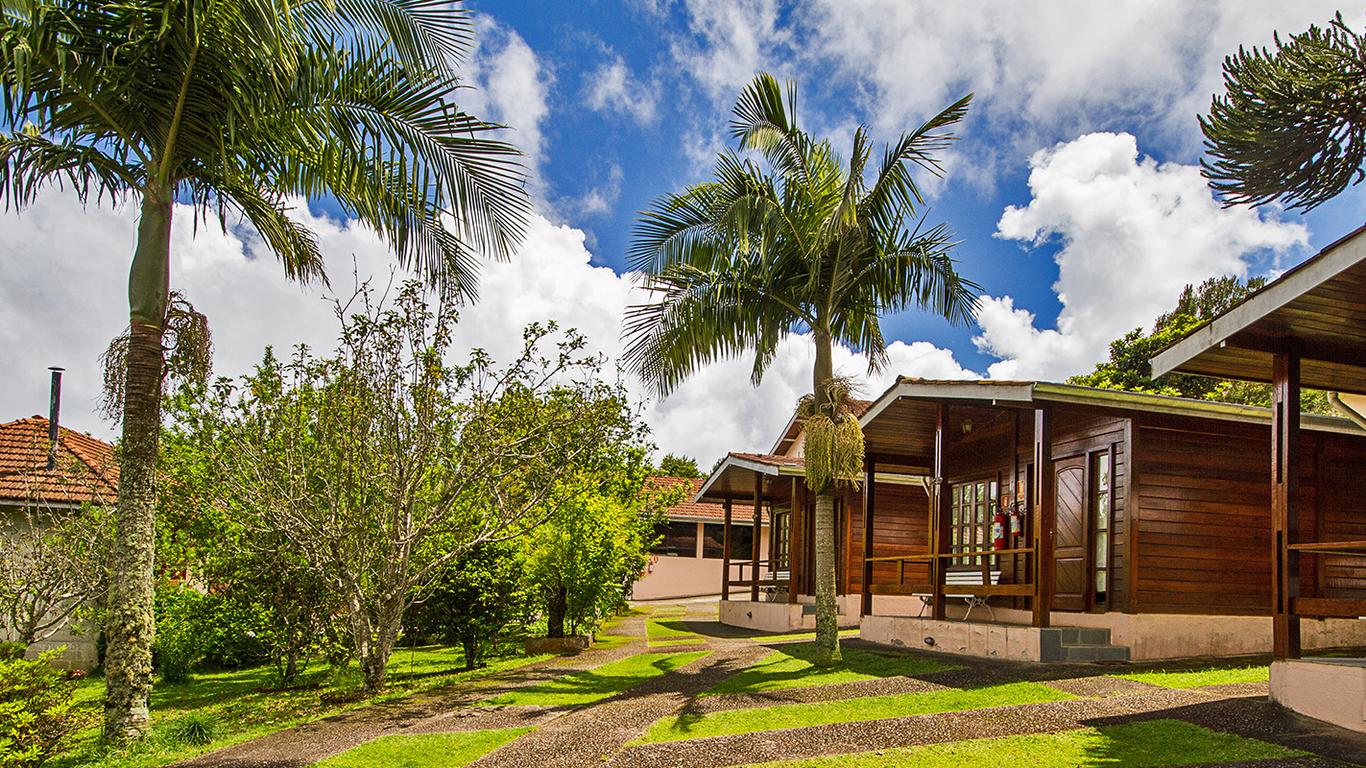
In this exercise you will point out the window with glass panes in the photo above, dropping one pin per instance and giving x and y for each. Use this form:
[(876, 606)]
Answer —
[(974, 504), (1100, 471)]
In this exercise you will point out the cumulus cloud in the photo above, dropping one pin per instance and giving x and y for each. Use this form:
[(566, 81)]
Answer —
[(730, 41), (1133, 233), (510, 85), (612, 88), (72, 301)]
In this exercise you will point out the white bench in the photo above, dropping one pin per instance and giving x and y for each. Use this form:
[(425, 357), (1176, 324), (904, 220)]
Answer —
[(770, 589), (971, 578)]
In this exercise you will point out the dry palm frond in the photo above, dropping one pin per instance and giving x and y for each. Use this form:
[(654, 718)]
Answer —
[(188, 353)]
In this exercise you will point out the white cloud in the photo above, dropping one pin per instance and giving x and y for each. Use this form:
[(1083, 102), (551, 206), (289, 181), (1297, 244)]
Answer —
[(730, 41), (599, 198), (71, 302), (511, 86), (1133, 233), (612, 88)]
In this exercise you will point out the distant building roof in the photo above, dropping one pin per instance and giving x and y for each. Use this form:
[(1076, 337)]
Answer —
[(705, 511), (86, 470)]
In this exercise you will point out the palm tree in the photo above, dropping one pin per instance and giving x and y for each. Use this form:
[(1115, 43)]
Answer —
[(239, 109), (803, 244)]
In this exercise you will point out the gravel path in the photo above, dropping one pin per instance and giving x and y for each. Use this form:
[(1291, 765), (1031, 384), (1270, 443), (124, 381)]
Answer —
[(596, 735)]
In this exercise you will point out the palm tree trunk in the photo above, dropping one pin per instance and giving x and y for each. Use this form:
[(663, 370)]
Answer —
[(827, 611), (129, 627)]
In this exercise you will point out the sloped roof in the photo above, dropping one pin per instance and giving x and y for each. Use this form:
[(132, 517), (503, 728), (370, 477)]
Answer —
[(691, 509), (794, 428), (734, 477), (86, 469)]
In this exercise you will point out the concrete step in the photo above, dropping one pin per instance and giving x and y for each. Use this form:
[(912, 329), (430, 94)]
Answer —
[(1094, 652), (1084, 635)]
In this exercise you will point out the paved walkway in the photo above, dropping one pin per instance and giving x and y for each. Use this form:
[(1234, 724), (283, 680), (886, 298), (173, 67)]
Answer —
[(597, 735)]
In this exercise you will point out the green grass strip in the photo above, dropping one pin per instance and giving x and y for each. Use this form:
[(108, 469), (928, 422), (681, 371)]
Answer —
[(428, 750), (1134, 745), (734, 721), (1200, 677), (794, 666), (788, 637), (598, 683), (670, 632)]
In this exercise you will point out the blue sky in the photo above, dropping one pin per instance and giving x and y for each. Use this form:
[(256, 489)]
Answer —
[(1074, 189)]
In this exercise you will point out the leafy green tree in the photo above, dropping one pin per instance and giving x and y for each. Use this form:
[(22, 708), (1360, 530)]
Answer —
[(584, 559), (1128, 367), (238, 109), (1289, 125), (384, 462), (806, 244), (678, 465), (475, 600)]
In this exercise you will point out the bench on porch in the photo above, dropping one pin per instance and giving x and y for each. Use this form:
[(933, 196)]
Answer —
[(971, 578)]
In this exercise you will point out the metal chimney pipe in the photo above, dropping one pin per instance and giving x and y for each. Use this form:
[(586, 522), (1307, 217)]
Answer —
[(54, 413)]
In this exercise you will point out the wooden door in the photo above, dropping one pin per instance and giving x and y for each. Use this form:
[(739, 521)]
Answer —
[(1069, 535)]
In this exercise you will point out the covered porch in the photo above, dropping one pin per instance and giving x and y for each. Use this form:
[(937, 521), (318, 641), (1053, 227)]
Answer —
[(1306, 329)]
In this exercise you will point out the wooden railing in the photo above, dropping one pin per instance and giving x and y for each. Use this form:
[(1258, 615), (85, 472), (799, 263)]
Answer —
[(1313, 606), (929, 557), (742, 581)]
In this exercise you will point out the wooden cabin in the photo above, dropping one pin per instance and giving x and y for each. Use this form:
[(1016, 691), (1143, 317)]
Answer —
[(1064, 522), (1307, 328)]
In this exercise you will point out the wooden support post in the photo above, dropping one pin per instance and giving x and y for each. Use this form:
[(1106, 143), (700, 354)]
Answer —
[(1285, 568), (725, 552), (940, 511), (795, 546), (866, 606), (754, 544), (1044, 499)]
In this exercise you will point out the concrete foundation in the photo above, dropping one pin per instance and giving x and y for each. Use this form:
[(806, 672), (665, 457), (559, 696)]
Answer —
[(783, 616), (1153, 636), (1332, 690)]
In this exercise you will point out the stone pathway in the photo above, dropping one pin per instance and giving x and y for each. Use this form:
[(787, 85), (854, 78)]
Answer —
[(597, 734)]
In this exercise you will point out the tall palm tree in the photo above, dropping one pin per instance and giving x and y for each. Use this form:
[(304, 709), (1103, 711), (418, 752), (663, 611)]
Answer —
[(239, 109), (803, 243)]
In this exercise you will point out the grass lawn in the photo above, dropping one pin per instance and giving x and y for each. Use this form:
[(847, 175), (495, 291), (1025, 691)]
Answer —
[(1136, 745), (1200, 677), (598, 683), (430, 750), (664, 632), (244, 706), (734, 721), (793, 666)]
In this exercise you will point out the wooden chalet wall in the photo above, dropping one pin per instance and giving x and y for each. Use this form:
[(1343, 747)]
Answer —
[(1087, 432), (1204, 501), (901, 526)]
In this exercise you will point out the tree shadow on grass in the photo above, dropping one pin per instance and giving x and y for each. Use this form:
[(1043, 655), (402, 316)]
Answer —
[(794, 665)]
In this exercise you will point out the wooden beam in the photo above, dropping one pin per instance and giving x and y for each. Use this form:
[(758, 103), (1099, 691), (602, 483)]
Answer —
[(939, 514), (1328, 607), (725, 552), (796, 522), (1044, 498), (869, 499), (1285, 562), (754, 539)]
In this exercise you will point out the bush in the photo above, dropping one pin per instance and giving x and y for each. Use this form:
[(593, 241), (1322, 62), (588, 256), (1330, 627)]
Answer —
[(196, 729), (36, 719), (196, 628), (12, 650)]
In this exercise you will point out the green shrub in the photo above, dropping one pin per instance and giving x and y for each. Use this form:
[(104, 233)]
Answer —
[(195, 628), (36, 718), (196, 729), (12, 650)]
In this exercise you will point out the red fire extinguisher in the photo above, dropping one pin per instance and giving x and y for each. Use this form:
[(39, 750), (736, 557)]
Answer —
[(998, 530)]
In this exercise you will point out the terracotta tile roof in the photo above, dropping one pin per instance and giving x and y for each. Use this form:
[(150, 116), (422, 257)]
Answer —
[(699, 510), (86, 468)]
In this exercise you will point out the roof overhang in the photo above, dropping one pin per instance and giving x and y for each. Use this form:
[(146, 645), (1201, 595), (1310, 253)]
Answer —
[(1319, 306), (1025, 394), (734, 477)]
